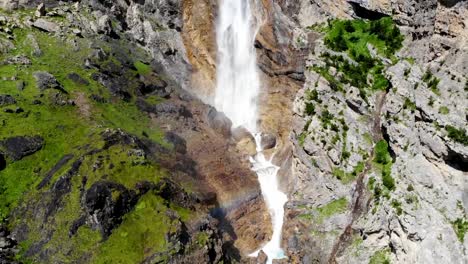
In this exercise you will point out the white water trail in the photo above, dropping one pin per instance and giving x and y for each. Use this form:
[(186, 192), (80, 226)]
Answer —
[(237, 91)]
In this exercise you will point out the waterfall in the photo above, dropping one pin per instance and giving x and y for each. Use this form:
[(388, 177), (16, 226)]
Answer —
[(237, 91), (237, 81)]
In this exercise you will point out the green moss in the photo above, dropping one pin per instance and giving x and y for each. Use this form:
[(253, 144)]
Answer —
[(345, 177), (141, 233), (142, 68), (461, 227), (380, 257), (444, 110), (202, 238), (302, 137), (332, 208)]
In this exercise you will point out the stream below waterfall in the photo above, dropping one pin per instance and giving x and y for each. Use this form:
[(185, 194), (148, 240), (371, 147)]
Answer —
[(237, 91)]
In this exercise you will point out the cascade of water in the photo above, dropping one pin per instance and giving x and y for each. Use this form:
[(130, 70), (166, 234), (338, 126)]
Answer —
[(237, 82), (237, 90)]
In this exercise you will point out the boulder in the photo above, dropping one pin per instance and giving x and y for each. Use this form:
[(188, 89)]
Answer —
[(76, 78), (105, 203), (18, 147), (268, 141), (18, 60), (40, 11), (6, 99), (45, 80), (45, 25)]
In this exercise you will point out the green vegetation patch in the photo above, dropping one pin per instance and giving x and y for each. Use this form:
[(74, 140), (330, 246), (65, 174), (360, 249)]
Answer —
[(458, 135), (444, 110), (346, 177), (142, 68), (383, 161), (141, 233), (461, 227), (319, 214), (63, 127), (332, 208), (432, 82), (380, 257), (353, 37)]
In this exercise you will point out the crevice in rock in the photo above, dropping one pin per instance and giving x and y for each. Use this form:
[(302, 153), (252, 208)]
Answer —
[(2, 162), (450, 3), (363, 12), (456, 160), (386, 137)]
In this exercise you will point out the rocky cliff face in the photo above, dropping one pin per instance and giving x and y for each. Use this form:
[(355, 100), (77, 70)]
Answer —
[(345, 206)]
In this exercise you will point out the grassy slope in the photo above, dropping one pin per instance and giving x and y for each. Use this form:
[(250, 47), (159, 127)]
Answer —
[(65, 130)]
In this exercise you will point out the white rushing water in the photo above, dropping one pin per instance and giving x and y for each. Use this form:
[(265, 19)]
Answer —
[(237, 81), (237, 91)]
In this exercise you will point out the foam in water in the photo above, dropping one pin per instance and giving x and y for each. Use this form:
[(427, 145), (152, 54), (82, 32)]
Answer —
[(237, 90)]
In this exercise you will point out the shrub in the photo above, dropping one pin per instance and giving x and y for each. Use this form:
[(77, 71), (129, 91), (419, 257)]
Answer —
[(382, 156), (461, 227), (310, 109), (458, 135), (444, 110), (397, 206), (387, 178)]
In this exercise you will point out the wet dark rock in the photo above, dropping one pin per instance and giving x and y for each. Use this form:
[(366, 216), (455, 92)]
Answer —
[(157, 87), (178, 142), (18, 147), (219, 122), (76, 78), (159, 109), (104, 210), (64, 160), (6, 99), (45, 80), (262, 257), (116, 85), (268, 141), (185, 112), (170, 191), (113, 137)]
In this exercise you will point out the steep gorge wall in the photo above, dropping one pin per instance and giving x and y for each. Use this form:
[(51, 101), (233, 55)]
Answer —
[(329, 220)]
